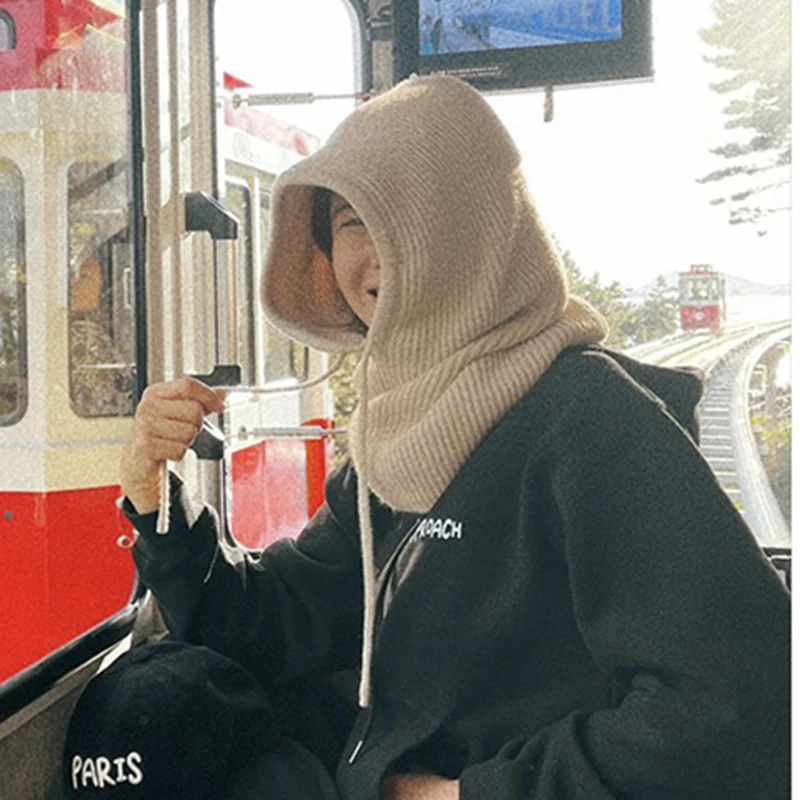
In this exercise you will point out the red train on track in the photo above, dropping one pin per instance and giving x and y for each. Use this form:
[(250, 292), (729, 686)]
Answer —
[(702, 298)]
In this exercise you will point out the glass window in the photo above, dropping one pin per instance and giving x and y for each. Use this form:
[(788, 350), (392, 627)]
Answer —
[(100, 309), (8, 31), (13, 371), (64, 270)]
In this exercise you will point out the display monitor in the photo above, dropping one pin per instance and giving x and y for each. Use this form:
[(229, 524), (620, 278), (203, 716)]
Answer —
[(518, 44)]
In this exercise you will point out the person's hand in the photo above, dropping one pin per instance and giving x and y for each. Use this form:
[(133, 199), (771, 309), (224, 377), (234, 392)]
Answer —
[(167, 420), (418, 787)]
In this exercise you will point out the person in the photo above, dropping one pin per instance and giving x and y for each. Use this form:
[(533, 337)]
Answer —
[(542, 586)]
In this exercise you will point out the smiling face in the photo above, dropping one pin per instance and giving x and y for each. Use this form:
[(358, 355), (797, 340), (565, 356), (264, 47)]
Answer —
[(355, 259)]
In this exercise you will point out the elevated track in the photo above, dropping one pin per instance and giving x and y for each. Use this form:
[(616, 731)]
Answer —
[(726, 436)]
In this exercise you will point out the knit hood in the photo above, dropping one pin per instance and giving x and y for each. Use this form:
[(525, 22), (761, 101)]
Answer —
[(473, 302)]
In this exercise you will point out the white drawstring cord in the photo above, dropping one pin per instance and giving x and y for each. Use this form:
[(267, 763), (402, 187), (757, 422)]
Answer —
[(162, 520), (366, 538)]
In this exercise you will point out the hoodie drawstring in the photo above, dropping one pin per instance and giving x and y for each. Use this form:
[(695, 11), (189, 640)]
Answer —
[(365, 536)]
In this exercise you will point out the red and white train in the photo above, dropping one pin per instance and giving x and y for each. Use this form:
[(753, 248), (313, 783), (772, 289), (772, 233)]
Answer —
[(68, 307), (702, 298)]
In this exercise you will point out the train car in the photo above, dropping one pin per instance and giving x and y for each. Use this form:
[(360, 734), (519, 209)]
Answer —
[(702, 298), (67, 329)]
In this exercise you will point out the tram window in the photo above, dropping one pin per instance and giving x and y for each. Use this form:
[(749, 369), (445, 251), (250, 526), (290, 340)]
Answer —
[(238, 200), (698, 290), (8, 31), (100, 312), (298, 360), (13, 370), (284, 358)]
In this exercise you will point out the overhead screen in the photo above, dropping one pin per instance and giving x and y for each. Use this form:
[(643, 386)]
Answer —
[(517, 44)]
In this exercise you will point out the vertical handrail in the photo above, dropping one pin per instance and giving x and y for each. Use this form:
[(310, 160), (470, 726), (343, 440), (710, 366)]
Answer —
[(137, 222), (152, 168), (203, 171), (175, 205)]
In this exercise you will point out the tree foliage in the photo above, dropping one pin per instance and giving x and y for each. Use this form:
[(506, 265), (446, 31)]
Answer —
[(774, 434), (752, 43), (656, 317), (629, 323), (345, 399)]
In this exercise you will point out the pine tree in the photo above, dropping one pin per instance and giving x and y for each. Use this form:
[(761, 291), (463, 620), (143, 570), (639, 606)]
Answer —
[(752, 40), (657, 317)]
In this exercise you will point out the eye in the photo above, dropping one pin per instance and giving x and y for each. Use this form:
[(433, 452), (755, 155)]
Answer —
[(352, 222)]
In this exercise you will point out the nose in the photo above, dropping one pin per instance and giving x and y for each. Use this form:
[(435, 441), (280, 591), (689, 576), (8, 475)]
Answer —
[(373, 259)]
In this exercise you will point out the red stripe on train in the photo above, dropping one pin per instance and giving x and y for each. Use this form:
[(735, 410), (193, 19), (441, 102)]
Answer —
[(61, 570)]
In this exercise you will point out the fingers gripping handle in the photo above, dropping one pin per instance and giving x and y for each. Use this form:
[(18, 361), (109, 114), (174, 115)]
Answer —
[(209, 443)]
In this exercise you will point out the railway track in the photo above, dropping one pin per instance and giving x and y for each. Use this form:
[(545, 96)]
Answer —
[(726, 436)]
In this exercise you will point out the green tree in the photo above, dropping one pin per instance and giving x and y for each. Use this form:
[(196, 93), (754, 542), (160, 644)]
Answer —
[(608, 300), (628, 324), (656, 317), (344, 402), (752, 40), (774, 434)]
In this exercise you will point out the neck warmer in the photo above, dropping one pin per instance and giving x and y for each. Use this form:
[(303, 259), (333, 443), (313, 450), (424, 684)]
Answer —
[(473, 303)]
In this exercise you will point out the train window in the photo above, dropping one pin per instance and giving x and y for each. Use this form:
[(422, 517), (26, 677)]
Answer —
[(238, 200), (13, 371), (100, 310), (8, 31)]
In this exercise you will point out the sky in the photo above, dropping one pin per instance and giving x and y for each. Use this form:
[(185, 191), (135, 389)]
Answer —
[(613, 175)]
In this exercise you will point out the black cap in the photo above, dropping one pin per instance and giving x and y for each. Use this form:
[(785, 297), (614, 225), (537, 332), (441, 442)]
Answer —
[(165, 720)]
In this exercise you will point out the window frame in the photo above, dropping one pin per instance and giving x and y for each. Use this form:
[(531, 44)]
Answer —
[(7, 21)]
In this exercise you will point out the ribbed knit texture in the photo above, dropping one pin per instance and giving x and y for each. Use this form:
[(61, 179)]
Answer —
[(473, 304), (473, 301)]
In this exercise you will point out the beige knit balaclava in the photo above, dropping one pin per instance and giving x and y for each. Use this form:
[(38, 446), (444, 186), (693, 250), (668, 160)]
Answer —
[(473, 303)]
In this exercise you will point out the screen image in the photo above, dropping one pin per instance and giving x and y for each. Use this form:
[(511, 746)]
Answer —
[(468, 26)]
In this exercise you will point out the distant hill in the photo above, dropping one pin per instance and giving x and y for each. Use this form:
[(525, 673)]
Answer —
[(736, 286)]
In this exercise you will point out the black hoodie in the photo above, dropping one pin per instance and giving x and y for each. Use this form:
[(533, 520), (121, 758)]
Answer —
[(582, 614)]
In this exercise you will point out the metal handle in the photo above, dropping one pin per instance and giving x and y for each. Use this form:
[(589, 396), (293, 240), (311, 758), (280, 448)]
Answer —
[(290, 432)]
